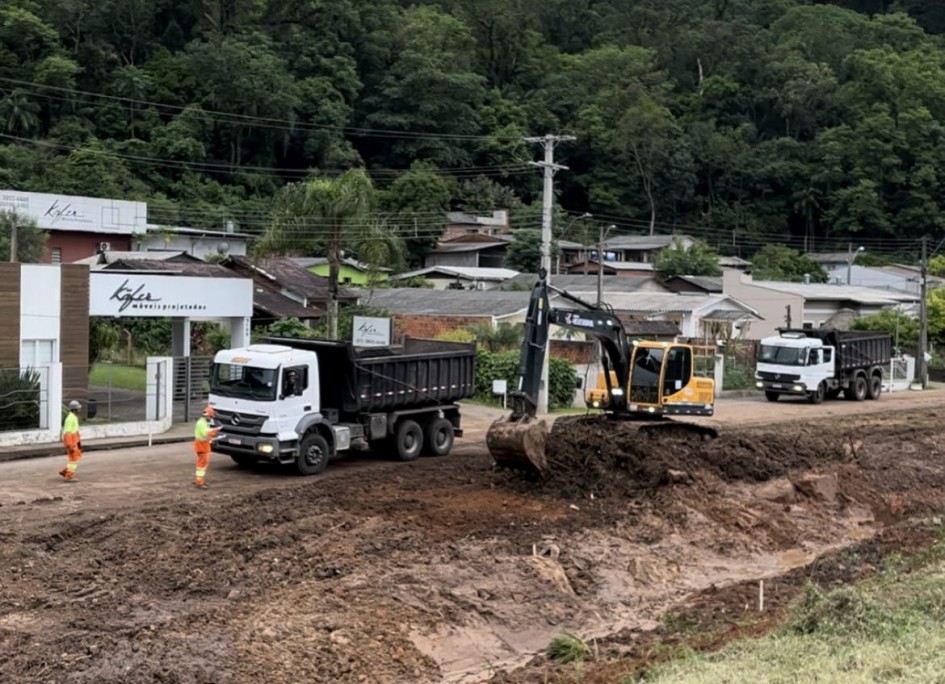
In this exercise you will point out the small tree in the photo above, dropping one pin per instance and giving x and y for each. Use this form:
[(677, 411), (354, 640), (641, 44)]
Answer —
[(30, 240), (524, 252), (777, 262), (696, 259)]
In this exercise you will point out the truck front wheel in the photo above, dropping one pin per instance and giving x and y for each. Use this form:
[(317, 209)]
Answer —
[(817, 396), (439, 437), (313, 456), (409, 440)]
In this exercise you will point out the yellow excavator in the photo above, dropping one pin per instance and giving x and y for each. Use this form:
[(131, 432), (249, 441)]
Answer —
[(641, 380)]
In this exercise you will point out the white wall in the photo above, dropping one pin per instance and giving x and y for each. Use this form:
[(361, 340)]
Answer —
[(195, 245), (40, 288)]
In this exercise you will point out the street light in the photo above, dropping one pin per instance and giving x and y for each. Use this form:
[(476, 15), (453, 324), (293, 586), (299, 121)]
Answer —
[(850, 259)]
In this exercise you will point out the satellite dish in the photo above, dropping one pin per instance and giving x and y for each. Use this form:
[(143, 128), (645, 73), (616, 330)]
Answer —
[(223, 248)]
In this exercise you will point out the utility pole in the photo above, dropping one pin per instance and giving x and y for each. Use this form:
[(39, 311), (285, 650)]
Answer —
[(548, 142), (600, 263), (923, 315), (13, 243)]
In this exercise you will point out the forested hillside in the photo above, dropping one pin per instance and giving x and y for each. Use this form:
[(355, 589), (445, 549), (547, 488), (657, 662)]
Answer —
[(741, 121)]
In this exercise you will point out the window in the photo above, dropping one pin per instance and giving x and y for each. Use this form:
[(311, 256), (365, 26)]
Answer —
[(55, 255), (828, 355), (678, 370), (244, 382), (37, 353), (294, 381)]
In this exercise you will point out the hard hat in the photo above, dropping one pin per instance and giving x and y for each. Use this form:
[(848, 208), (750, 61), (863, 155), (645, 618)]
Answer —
[(74, 405), (209, 412)]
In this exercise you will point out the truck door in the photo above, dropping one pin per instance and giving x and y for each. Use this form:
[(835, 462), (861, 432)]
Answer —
[(293, 393)]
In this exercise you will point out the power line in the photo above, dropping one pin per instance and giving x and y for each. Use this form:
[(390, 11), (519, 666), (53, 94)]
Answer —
[(266, 122)]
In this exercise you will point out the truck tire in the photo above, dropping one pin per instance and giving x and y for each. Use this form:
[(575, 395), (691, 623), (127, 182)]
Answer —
[(313, 455), (875, 386), (857, 389), (772, 396), (817, 396), (408, 440), (438, 438)]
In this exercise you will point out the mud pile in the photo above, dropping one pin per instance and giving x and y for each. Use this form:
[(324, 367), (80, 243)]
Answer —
[(594, 454)]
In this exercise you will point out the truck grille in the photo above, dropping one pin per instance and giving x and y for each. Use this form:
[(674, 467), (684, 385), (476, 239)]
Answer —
[(778, 377), (242, 423)]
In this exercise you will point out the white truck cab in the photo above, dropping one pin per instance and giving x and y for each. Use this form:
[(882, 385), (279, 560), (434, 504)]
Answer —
[(793, 363)]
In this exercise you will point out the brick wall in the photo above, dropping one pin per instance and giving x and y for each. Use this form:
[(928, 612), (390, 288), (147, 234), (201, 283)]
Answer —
[(432, 326), (575, 351)]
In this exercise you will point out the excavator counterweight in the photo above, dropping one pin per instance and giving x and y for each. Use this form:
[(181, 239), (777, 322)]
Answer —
[(642, 380)]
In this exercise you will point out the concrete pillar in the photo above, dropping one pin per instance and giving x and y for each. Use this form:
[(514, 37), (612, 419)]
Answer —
[(160, 387), (719, 373), (180, 337), (50, 412), (240, 332)]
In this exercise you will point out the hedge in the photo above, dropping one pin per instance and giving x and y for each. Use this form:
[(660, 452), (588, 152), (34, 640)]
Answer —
[(490, 366)]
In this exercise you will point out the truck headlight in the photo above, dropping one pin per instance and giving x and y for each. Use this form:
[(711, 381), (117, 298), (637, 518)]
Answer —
[(759, 385), (798, 388), (264, 448)]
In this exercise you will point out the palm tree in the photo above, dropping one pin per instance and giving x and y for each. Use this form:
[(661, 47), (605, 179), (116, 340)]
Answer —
[(321, 211), (19, 113)]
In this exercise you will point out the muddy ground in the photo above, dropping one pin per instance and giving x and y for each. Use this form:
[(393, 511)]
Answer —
[(445, 570)]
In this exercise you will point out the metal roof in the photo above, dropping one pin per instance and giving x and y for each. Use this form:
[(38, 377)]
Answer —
[(573, 282), (845, 293), (707, 283), (427, 302), (643, 242), (451, 247), (309, 262), (462, 273)]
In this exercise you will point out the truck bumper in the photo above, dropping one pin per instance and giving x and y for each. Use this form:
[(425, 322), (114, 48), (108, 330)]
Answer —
[(264, 447), (781, 387)]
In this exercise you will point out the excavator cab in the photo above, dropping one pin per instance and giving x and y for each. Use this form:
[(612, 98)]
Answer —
[(662, 382), (643, 380)]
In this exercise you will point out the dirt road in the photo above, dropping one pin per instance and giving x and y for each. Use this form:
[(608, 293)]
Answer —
[(436, 570)]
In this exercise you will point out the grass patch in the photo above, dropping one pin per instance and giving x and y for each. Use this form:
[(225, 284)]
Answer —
[(568, 648), (118, 376), (885, 630)]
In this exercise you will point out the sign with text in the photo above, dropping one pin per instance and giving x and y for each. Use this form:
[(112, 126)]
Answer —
[(371, 332), (73, 213), (132, 296)]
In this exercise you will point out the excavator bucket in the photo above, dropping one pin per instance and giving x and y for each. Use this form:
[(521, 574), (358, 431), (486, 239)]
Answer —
[(519, 444)]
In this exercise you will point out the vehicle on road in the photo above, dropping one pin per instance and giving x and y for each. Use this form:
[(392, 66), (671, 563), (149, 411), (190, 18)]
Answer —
[(302, 401), (642, 380), (821, 363)]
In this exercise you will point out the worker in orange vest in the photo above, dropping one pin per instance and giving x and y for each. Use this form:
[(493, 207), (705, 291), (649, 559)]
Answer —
[(203, 434), (72, 440)]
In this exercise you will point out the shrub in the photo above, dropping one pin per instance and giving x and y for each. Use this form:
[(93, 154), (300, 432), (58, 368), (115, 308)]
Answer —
[(19, 399), (568, 648), (562, 378)]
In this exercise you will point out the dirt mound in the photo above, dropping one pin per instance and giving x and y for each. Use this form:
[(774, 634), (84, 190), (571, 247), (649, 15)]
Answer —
[(595, 454)]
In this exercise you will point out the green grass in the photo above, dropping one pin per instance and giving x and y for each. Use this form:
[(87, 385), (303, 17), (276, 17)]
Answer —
[(887, 630), (118, 376)]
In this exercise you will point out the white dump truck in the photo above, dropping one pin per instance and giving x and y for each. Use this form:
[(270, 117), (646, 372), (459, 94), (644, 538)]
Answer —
[(301, 402), (820, 364)]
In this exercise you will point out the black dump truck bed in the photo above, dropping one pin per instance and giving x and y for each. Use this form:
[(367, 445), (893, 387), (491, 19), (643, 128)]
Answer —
[(418, 373), (855, 348)]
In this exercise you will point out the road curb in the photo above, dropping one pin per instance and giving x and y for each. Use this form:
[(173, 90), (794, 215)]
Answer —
[(46, 450)]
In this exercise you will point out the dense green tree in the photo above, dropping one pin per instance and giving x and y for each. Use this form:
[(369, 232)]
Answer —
[(696, 259), (776, 262), (30, 240)]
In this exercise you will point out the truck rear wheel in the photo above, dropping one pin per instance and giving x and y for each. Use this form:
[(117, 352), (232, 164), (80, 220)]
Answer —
[(408, 441), (439, 437), (876, 386), (857, 390), (772, 396), (313, 455)]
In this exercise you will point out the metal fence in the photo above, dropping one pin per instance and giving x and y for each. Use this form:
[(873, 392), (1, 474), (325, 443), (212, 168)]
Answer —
[(108, 392), (23, 396), (191, 386)]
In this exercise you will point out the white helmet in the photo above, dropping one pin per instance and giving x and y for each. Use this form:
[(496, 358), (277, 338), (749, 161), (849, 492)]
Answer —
[(74, 405)]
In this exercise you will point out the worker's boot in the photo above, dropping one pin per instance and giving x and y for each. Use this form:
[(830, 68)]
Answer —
[(200, 485), (63, 472)]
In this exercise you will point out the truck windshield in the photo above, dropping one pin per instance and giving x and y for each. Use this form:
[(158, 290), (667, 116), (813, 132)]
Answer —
[(243, 382), (786, 356)]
